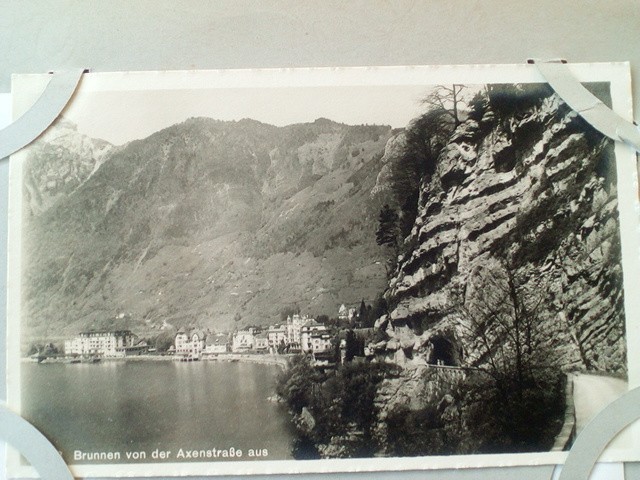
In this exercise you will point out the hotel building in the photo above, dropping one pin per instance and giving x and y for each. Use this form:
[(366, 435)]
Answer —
[(103, 343)]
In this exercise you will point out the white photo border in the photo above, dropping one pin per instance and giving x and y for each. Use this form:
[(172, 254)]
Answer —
[(25, 90)]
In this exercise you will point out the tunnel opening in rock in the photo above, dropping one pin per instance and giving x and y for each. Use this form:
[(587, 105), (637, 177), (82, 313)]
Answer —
[(443, 351)]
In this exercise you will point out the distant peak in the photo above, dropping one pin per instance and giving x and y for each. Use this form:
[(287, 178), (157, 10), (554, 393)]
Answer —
[(324, 121), (64, 122), (192, 120), (217, 122), (250, 121)]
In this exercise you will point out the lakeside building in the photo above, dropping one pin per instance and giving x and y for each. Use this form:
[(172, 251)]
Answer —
[(140, 348), (260, 342), (346, 314), (243, 340), (320, 342), (276, 336), (216, 344), (301, 333), (103, 343), (294, 328), (189, 343), (314, 337)]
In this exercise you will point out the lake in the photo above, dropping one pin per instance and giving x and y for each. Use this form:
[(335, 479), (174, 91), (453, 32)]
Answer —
[(119, 406)]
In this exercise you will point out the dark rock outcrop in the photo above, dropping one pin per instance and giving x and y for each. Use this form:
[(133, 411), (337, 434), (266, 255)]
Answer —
[(534, 190)]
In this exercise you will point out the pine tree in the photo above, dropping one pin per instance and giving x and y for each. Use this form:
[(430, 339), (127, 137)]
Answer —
[(362, 314), (388, 230)]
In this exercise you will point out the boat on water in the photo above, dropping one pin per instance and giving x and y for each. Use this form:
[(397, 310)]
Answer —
[(71, 360), (187, 358), (92, 359), (43, 360)]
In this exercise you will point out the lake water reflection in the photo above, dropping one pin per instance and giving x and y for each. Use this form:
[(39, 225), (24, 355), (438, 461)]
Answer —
[(145, 405)]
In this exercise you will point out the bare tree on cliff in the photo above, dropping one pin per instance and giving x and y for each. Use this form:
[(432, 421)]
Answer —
[(505, 316), (448, 99)]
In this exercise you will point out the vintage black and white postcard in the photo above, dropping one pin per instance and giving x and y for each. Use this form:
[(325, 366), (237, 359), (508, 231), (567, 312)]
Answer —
[(271, 271)]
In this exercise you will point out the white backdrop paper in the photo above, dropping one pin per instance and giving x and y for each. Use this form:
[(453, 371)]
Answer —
[(38, 36)]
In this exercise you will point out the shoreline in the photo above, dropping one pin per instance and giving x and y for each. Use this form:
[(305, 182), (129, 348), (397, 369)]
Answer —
[(264, 359)]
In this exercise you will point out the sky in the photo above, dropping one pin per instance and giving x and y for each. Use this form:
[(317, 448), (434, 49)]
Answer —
[(122, 116)]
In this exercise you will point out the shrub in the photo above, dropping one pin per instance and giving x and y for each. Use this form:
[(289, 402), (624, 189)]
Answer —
[(296, 383), (341, 404), (478, 106), (425, 139), (415, 432), (508, 100), (503, 418), (482, 415)]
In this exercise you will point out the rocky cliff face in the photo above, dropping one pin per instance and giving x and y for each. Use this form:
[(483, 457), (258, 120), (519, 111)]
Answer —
[(533, 191), (60, 161)]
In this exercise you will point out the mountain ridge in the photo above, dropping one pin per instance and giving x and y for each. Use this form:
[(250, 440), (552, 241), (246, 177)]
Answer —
[(205, 221)]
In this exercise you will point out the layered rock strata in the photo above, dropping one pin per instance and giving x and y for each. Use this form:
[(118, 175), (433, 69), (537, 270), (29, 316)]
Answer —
[(534, 190)]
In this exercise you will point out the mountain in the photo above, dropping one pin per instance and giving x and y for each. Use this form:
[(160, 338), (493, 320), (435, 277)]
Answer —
[(523, 197), (60, 161), (220, 224)]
